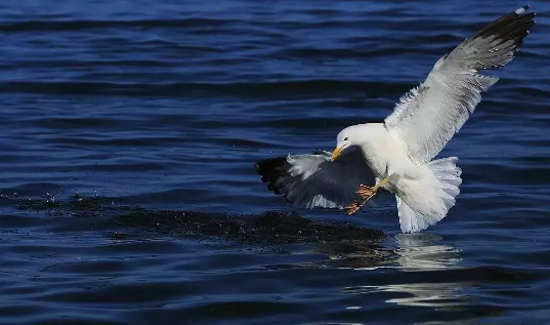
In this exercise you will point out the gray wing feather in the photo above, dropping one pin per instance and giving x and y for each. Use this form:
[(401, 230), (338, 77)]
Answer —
[(429, 115), (314, 180)]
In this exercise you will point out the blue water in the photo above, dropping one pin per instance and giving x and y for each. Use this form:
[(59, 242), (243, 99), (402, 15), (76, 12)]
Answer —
[(128, 192)]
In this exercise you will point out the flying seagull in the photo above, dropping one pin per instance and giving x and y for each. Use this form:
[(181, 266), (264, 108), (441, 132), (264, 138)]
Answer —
[(396, 155)]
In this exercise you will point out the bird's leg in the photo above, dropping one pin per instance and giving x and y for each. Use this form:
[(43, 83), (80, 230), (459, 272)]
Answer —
[(366, 193), (354, 207)]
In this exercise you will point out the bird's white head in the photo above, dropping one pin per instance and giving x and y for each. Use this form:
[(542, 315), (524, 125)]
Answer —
[(348, 137)]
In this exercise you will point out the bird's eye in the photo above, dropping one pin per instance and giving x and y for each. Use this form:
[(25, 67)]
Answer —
[(346, 139)]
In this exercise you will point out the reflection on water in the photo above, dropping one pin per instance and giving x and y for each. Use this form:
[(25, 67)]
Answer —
[(421, 252), (428, 294), (419, 255), (422, 294)]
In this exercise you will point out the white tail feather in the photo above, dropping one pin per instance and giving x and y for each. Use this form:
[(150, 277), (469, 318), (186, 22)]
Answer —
[(427, 200)]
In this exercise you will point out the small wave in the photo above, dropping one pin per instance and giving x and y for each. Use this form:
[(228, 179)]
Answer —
[(235, 89), (75, 25)]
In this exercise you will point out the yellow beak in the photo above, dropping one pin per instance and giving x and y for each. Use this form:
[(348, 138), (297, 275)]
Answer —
[(336, 153)]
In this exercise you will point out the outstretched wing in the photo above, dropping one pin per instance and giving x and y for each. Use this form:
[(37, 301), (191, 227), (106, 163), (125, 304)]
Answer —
[(314, 180), (429, 115)]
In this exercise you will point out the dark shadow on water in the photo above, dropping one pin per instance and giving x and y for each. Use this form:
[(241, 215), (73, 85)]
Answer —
[(271, 227)]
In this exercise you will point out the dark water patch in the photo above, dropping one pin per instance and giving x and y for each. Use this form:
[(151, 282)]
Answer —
[(67, 25), (312, 124), (310, 53), (517, 175), (267, 228), (68, 123), (291, 89), (32, 189), (271, 227), (101, 140)]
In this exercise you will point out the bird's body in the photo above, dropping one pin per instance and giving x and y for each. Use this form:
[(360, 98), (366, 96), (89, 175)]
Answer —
[(398, 154), (424, 191), (385, 154)]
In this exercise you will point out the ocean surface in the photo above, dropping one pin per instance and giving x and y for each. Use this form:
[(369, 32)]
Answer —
[(128, 193)]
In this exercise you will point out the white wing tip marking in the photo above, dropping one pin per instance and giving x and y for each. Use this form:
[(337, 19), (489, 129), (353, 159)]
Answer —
[(521, 11)]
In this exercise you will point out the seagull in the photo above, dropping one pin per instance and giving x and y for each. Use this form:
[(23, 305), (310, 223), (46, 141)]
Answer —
[(398, 154)]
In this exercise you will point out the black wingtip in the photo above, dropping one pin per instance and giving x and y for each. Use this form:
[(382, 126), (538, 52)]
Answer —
[(269, 167), (517, 20), (497, 42), (271, 170)]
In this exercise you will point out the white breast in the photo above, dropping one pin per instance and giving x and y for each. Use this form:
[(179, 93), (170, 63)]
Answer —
[(385, 154)]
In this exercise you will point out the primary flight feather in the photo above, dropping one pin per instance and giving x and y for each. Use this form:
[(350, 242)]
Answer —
[(397, 154)]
